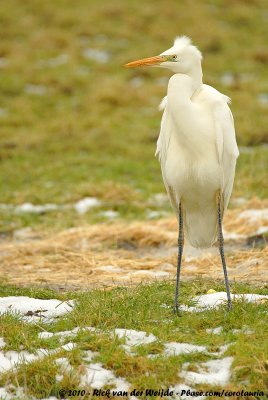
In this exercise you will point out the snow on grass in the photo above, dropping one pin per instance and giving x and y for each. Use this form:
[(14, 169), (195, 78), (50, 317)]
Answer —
[(135, 338), (152, 214), (110, 268), (174, 349), (214, 300), (213, 372), (100, 56), (11, 359), (83, 205), (254, 215), (262, 230), (35, 209), (63, 334), (215, 331), (54, 62), (36, 90), (148, 272), (109, 214), (244, 330), (32, 309), (68, 346), (97, 377), (233, 236)]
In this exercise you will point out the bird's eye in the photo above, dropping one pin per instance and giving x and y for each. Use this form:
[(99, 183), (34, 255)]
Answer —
[(174, 58)]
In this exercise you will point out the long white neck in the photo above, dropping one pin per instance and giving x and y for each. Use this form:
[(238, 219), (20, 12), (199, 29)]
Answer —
[(197, 76), (181, 89)]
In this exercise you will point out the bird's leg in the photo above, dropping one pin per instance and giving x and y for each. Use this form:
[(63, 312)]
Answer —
[(180, 249), (221, 248)]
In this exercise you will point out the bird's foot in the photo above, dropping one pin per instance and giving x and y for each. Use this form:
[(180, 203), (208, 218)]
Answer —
[(229, 306), (176, 310)]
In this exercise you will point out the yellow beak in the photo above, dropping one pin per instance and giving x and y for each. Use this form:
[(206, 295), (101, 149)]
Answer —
[(146, 62)]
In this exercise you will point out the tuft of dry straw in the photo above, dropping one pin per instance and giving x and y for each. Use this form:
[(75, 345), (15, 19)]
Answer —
[(121, 253)]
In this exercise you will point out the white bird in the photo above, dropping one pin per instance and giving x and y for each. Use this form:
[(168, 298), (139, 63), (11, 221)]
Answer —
[(197, 150)]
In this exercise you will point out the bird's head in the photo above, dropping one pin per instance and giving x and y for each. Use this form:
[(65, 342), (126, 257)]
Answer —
[(182, 57)]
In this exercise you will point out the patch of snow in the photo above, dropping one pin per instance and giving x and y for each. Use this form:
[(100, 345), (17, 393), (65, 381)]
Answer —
[(63, 334), (162, 81), (215, 331), (89, 355), (32, 308), (174, 349), (64, 365), (68, 346), (4, 395), (83, 205), (3, 62), (148, 272), (45, 335), (159, 199), (262, 230), (239, 200), (109, 268), (36, 90), (15, 393), (213, 372), (165, 306), (136, 82), (263, 99), (156, 214), (222, 349), (3, 112), (67, 333), (35, 209), (244, 330), (10, 359), (227, 79), (233, 236), (97, 377), (101, 56), (254, 215), (50, 398), (53, 62), (135, 338), (23, 233), (213, 300), (245, 150), (110, 214)]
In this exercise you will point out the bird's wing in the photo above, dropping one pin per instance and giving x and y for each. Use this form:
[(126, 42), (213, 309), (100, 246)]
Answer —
[(164, 136), (226, 144), (161, 151)]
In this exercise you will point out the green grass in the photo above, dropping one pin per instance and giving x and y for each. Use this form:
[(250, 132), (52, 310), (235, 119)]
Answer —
[(140, 308), (91, 128)]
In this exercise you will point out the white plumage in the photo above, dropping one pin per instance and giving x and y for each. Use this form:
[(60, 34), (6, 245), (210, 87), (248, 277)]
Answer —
[(196, 148)]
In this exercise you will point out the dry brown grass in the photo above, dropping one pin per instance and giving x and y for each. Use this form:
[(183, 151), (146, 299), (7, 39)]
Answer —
[(138, 251)]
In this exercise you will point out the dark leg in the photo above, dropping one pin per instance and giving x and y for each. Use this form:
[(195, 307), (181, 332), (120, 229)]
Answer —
[(180, 249), (221, 248)]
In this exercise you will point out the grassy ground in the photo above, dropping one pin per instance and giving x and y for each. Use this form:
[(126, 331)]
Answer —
[(140, 308), (72, 127)]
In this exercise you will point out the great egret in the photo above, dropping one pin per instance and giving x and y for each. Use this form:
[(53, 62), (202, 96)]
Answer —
[(197, 150)]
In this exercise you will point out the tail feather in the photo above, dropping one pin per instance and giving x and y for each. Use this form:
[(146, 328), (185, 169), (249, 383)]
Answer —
[(201, 227)]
